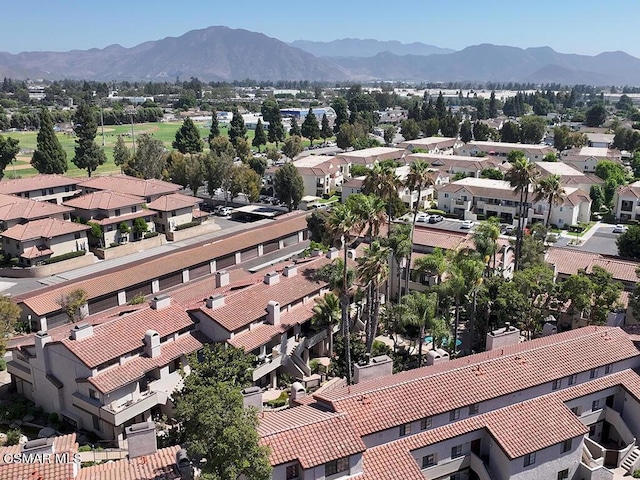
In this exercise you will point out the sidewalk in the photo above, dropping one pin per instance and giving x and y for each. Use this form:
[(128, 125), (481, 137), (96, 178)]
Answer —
[(585, 237)]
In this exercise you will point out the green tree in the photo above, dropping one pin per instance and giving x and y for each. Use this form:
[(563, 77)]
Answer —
[(295, 128), (595, 115), (430, 127), (326, 315), (292, 147), (449, 125), (140, 226), (606, 169), (492, 173), (9, 315), (8, 150), (409, 129), (606, 293), (383, 181), (341, 107), (237, 128), (72, 304), (597, 197), (121, 153), (222, 146), (276, 133), (493, 105), (49, 157), (88, 155), (485, 239), (466, 132), (399, 241), (187, 139), (550, 157), (532, 129), (510, 133), (243, 149), (420, 311), (288, 185), (219, 172), (629, 243), (214, 131), (389, 134), (549, 189), (325, 129), (310, 128), (635, 164), (260, 138), (149, 161), (258, 165), (194, 173)]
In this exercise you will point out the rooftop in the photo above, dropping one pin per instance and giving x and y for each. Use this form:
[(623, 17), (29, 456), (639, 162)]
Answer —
[(131, 185), (156, 466), (499, 146), (43, 228), (45, 471), (568, 261), (174, 201), (13, 208), (104, 200), (37, 182)]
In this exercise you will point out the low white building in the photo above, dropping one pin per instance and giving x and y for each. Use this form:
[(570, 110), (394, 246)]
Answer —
[(441, 145), (534, 153), (626, 202), (586, 159)]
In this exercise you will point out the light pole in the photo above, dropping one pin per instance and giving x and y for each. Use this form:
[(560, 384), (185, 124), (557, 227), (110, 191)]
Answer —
[(102, 123), (133, 137)]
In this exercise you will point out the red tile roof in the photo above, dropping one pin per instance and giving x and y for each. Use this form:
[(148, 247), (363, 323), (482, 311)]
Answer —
[(104, 200), (131, 185), (43, 228), (123, 218), (476, 378), (37, 182), (433, 237), (45, 471), (16, 208), (166, 203), (157, 466), (36, 252), (569, 261)]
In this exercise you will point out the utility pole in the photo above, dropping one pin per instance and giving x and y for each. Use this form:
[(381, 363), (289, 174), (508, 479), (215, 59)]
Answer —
[(133, 138)]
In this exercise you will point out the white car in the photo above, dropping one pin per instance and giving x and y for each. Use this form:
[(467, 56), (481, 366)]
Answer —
[(422, 217), (619, 229), (467, 224)]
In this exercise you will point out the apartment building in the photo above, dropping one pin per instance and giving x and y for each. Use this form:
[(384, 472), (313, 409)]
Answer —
[(534, 153), (370, 156), (457, 164), (433, 145), (174, 210), (15, 210), (44, 188), (322, 174), (148, 189), (626, 202), (569, 175), (566, 406), (586, 159), (472, 196)]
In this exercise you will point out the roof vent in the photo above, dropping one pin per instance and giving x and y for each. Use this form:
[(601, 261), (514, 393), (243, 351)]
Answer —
[(160, 301), (40, 445), (152, 343), (80, 331), (290, 271), (273, 312), (222, 278), (333, 253), (215, 301), (272, 278), (316, 252)]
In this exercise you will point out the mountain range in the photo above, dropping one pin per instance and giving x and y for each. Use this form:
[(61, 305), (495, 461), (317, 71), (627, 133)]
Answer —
[(224, 54)]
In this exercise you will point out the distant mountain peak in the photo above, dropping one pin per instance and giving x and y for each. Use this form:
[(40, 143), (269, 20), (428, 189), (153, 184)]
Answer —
[(356, 47)]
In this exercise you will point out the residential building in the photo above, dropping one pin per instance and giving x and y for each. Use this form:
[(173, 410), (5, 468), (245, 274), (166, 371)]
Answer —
[(438, 145), (586, 159), (322, 174), (626, 203), (61, 464), (112, 211), (149, 189), (481, 416), (39, 240), (370, 156), (472, 196), (15, 210), (534, 153), (351, 186), (569, 175), (301, 113), (174, 210), (45, 188), (600, 140), (457, 164)]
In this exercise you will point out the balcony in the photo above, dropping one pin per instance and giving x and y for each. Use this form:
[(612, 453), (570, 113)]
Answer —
[(463, 204), (87, 404), (19, 370), (118, 414), (454, 465)]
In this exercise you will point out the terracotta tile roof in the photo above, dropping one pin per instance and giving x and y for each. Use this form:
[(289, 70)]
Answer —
[(125, 334), (477, 378), (43, 471), (249, 305), (36, 252), (123, 218), (44, 301), (166, 203), (308, 435), (37, 182), (504, 147), (43, 228), (104, 200), (113, 378), (433, 237), (569, 261), (390, 462), (157, 466), (371, 155), (16, 208), (131, 185), (620, 269), (444, 142), (629, 191)]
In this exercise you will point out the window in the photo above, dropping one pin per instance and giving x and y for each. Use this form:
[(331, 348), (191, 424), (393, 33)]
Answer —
[(175, 365), (428, 460), (592, 430), (97, 424), (117, 212), (454, 414), (293, 472), (595, 405), (405, 429), (556, 384), (425, 423), (566, 446), (159, 214), (134, 209), (607, 369), (43, 191), (456, 451), (473, 409), (67, 188), (336, 466), (576, 411), (51, 191), (593, 373), (446, 195), (173, 213), (530, 459), (563, 474), (76, 235), (93, 394), (109, 228), (573, 379)]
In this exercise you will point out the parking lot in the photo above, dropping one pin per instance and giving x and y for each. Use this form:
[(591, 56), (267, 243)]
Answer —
[(602, 241)]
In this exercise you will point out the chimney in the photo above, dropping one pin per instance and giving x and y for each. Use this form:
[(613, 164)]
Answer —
[(297, 392), (271, 278), (41, 339), (184, 465), (141, 439), (252, 397), (160, 301), (273, 313), (290, 271), (222, 278), (435, 357), (333, 253), (38, 446), (351, 254), (215, 301), (503, 337), (151, 343), (377, 367), (316, 252), (80, 331)]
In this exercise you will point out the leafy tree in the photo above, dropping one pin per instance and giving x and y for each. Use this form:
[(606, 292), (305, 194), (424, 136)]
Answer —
[(218, 170), (310, 128), (9, 315), (510, 133), (88, 155), (237, 128), (550, 157), (72, 304), (399, 241), (149, 160), (532, 129), (295, 128), (383, 181), (635, 164), (485, 240), (317, 223), (466, 132), (341, 107), (610, 188), (606, 293), (597, 197), (389, 134), (187, 139), (276, 133), (449, 125), (243, 149), (596, 115), (606, 169), (629, 243), (260, 138), (420, 311), (492, 173), (493, 106), (357, 352), (409, 129), (214, 131), (140, 226), (292, 147), (121, 153), (8, 150), (244, 180), (326, 314), (194, 173), (49, 157), (350, 135), (325, 130), (430, 127), (258, 165), (222, 146), (288, 185)]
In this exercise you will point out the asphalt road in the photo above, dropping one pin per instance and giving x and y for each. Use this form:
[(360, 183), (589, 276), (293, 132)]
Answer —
[(603, 241)]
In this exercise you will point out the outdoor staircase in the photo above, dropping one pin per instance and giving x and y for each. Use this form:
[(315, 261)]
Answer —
[(297, 361), (631, 459)]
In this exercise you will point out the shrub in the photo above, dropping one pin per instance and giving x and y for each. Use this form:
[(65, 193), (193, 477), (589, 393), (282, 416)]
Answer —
[(281, 401), (137, 299), (187, 225), (124, 228), (3, 364), (84, 448), (64, 256), (139, 225), (114, 244), (13, 437), (435, 211), (151, 234), (314, 365), (54, 419), (636, 474)]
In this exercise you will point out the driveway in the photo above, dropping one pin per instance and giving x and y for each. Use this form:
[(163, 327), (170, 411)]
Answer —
[(602, 241)]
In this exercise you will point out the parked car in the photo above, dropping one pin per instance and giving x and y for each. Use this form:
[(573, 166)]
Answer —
[(422, 217), (619, 229), (467, 224), (436, 218), (509, 230), (225, 211)]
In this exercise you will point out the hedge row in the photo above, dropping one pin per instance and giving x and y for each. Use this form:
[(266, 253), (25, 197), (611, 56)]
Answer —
[(187, 225), (64, 256)]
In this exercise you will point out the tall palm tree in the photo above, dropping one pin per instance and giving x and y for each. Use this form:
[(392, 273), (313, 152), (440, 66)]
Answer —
[(344, 224), (550, 189), (420, 311), (399, 241), (326, 314), (485, 239), (382, 180), (418, 179), (373, 270), (521, 176), (371, 210), (433, 264)]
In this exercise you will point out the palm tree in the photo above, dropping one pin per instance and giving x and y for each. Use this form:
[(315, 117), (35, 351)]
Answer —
[(420, 310), (343, 223), (373, 270), (433, 264), (326, 314), (485, 239), (418, 179), (382, 181), (521, 176), (399, 241), (550, 189), (371, 210)]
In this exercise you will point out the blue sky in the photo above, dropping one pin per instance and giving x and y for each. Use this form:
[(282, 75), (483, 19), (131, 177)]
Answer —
[(568, 26)]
